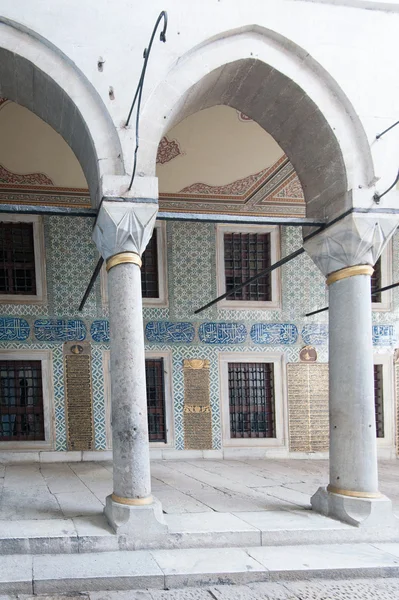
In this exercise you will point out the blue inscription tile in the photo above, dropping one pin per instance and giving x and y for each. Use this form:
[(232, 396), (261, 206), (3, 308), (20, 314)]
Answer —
[(274, 333), (100, 330), (164, 332), (60, 330), (315, 334), (222, 333), (384, 335), (14, 329)]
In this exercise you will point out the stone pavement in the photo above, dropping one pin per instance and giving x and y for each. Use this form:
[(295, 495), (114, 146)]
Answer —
[(328, 589), (60, 490)]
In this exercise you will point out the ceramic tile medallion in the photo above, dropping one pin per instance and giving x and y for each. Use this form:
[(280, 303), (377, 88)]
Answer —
[(384, 335), (167, 332), (13, 329), (60, 330), (274, 333), (222, 333), (315, 334), (99, 330)]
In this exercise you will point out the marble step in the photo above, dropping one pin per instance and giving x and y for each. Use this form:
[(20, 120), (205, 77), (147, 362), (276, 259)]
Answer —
[(188, 530), (164, 569)]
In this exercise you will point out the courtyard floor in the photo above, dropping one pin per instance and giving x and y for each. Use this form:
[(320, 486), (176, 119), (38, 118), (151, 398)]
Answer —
[(69, 490)]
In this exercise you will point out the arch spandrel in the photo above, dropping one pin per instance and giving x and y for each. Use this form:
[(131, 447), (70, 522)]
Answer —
[(39, 77), (279, 86)]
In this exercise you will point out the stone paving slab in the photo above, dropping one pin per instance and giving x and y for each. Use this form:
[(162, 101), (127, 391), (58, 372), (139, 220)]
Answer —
[(293, 568), (99, 571)]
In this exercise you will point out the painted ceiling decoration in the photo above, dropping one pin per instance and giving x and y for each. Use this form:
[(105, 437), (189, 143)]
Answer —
[(7, 176), (167, 150), (272, 191), (243, 117), (37, 188)]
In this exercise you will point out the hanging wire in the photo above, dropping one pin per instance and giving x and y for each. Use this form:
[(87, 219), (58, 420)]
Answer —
[(377, 197), (139, 91)]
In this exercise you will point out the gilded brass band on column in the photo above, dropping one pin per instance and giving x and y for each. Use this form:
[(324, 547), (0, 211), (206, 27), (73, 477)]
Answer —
[(132, 501), (123, 257), (349, 272), (335, 490)]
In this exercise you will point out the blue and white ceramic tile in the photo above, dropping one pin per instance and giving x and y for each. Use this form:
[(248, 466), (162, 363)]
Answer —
[(315, 334), (60, 330), (14, 329), (222, 333), (167, 332), (99, 330), (274, 333)]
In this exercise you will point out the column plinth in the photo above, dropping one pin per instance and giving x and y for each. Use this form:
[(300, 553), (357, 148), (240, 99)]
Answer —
[(345, 254), (122, 233)]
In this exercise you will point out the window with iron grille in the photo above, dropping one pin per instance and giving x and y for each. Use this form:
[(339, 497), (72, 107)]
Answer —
[(379, 400), (376, 282), (251, 400), (21, 400), (154, 371), (17, 259), (149, 269), (245, 254)]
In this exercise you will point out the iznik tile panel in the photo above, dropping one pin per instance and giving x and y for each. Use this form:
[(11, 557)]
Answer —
[(99, 330), (274, 333), (165, 331), (222, 333), (60, 330), (315, 334), (14, 329), (384, 335)]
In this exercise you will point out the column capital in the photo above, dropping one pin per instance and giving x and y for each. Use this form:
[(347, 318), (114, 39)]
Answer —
[(124, 225), (357, 239)]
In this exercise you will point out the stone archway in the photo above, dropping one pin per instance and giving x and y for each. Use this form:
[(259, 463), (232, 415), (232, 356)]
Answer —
[(288, 93), (38, 76)]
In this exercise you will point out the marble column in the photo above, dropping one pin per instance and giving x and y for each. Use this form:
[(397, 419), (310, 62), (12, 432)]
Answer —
[(121, 232), (345, 253)]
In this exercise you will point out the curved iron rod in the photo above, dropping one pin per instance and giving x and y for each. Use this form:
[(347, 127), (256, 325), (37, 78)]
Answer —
[(377, 197), (139, 91), (377, 137)]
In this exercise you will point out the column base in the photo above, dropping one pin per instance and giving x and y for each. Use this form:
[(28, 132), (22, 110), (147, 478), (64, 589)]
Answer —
[(140, 523), (360, 512)]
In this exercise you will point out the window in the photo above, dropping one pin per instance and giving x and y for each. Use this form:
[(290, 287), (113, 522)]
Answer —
[(155, 399), (253, 404), (26, 399), (21, 400), (251, 400), (382, 277), (243, 252), (153, 271), (158, 371), (22, 273), (379, 400)]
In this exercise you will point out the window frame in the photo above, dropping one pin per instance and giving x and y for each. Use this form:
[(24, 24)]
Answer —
[(46, 359), (386, 279), (388, 441), (280, 400), (275, 254), (168, 392), (162, 300), (40, 264)]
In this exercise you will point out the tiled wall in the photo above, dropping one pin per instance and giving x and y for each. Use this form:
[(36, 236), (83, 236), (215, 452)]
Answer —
[(71, 258)]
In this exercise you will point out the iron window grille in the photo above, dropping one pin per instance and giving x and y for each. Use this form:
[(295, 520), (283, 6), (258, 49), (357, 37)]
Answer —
[(379, 400), (245, 254), (17, 259), (149, 269), (21, 401), (251, 400), (376, 281), (154, 370)]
